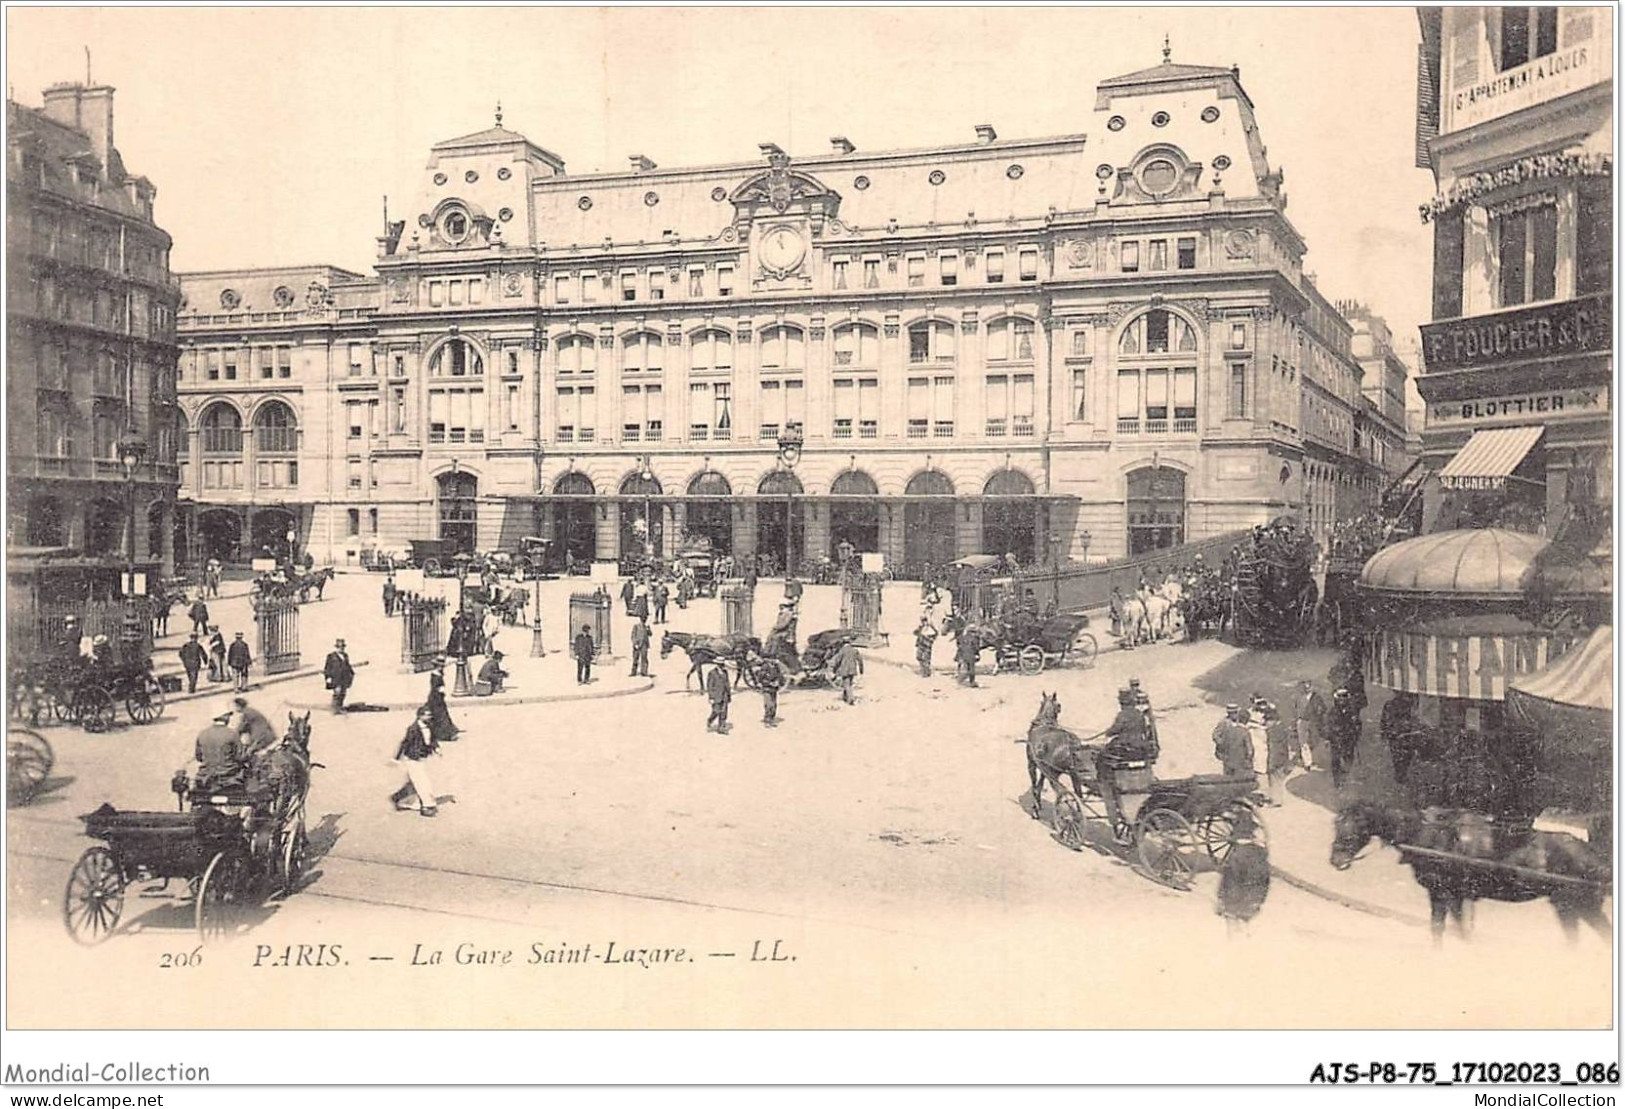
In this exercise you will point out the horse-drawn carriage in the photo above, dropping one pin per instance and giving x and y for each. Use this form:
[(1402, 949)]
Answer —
[(697, 557), (1176, 826), (801, 668), (85, 692), (232, 846), (1023, 641), (1273, 592)]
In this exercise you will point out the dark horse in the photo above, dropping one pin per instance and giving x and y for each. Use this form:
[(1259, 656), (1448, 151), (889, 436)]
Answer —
[(1052, 751), (1573, 874), (710, 649), (284, 770), (316, 580)]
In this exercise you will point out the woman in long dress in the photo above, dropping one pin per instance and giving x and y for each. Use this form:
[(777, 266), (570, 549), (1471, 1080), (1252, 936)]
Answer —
[(441, 728)]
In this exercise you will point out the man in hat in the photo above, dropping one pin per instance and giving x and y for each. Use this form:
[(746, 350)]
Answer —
[(1142, 701), (719, 691), (965, 651), (640, 648), (491, 674), (389, 595), (1233, 745), (793, 590), (582, 648), (1278, 745), (1343, 730), (338, 673), (199, 614), (925, 638), (222, 759), (660, 594), (192, 660), (1126, 743), (239, 659), (847, 665)]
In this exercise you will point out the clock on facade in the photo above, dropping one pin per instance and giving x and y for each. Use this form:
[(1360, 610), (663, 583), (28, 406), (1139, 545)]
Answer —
[(783, 250)]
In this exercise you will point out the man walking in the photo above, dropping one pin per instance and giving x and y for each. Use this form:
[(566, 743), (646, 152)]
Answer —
[(389, 595), (1232, 745), (416, 748), (1278, 742), (770, 678), (965, 653), (199, 613), (339, 674), (925, 638), (1345, 734), (582, 648), (239, 659), (192, 659), (1311, 725), (848, 664), (640, 648), (719, 690), (661, 595)]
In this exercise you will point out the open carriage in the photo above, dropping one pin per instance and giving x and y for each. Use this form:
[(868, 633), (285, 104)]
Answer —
[(1177, 826), (810, 667), (1030, 646), (85, 692), (233, 848)]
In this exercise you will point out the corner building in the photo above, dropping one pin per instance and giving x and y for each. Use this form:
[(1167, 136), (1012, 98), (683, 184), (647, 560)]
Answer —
[(1515, 118), (1061, 348), (90, 337)]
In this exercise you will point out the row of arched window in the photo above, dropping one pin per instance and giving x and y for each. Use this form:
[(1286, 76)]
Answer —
[(220, 428), (851, 483)]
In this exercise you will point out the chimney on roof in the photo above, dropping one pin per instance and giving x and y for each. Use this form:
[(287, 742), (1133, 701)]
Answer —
[(85, 109), (985, 132), (641, 163), (842, 144), (770, 149)]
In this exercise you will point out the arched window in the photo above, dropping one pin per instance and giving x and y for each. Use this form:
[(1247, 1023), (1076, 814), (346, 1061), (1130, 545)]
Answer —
[(1010, 340), (456, 358), (578, 354), (275, 431), (929, 483), (780, 483), (574, 484), (222, 429), (709, 484), (928, 525), (857, 345), (640, 485), (1159, 397), (854, 483), (1157, 332), (783, 348), (711, 350), (1008, 483), (931, 341), (644, 352)]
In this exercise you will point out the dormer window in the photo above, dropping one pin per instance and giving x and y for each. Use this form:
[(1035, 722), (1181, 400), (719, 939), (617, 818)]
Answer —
[(1159, 177), (454, 226)]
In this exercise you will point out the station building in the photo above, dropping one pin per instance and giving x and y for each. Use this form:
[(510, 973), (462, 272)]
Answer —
[(1060, 348)]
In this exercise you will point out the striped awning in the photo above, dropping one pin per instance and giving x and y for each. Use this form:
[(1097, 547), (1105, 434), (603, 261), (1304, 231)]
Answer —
[(1571, 702), (1583, 677), (1489, 457)]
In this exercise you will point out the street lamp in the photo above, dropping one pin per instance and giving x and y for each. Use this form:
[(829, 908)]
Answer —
[(461, 686), (646, 476), (790, 443), (132, 449)]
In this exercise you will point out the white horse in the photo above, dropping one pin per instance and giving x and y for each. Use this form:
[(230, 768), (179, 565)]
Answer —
[(1173, 591)]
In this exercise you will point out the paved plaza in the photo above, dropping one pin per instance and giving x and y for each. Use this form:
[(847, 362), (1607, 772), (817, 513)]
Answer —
[(896, 827)]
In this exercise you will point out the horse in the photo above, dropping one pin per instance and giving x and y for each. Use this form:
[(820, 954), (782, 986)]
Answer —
[(1052, 751), (284, 770), (513, 607), (1571, 873), (713, 649)]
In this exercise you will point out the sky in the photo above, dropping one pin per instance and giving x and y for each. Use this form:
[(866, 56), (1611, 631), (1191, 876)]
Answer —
[(273, 134)]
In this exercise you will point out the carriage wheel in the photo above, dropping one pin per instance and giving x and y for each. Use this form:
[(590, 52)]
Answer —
[(93, 708), (295, 856), (220, 897), (1166, 842), (145, 702), (1084, 649), (58, 705), (29, 760), (1031, 659), (94, 899), (1069, 822)]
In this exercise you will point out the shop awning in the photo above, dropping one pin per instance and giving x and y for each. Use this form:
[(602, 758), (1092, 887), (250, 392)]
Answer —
[(1571, 701), (1489, 457)]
